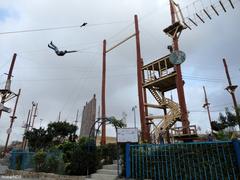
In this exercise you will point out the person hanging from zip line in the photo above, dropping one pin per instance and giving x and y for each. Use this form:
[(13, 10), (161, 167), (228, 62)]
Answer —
[(59, 53), (84, 24)]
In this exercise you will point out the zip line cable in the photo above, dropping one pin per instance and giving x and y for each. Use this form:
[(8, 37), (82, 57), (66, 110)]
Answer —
[(96, 76), (59, 27)]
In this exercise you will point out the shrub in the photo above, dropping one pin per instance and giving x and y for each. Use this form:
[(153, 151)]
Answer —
[(82, 159), (108, 153), (72, 158), (54, 161), (39, 160), (50, 162)]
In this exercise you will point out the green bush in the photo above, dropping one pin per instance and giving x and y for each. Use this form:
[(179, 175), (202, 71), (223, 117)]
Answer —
[(108, 153), (39, 160), (67, 148), (50, 162), (72, 158), (54, 161), (82, 159)]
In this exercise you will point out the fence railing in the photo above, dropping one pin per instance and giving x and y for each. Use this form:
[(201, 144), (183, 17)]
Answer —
[(202, 160), (21, 160)]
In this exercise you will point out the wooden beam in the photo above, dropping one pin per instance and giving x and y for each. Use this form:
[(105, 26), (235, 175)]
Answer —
[(154, 117), (187, 25), (222, 6), (231, 3), (118, 44), (153, 106), (214, 9), (205, 11), (200, 18), (192, 21)]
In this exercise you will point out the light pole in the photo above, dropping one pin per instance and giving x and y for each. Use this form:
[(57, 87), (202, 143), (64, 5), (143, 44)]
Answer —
[(41, 122), (134, 113)]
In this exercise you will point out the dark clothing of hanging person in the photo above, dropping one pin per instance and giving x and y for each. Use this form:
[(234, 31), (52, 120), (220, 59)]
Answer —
[(84, 24), (59, 53)]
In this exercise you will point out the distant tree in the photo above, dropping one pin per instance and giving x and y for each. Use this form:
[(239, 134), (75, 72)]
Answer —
[(232, 119), (217, 126), (56, 133), (61, 130), (225, 121), (38, 138), (116, 123)]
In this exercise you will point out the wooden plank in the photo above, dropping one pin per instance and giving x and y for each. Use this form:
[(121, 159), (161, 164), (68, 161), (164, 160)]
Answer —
[(192, 21), (200, 18), (205, 11), (118, 44), (214, 9), (164, 84), (153, 105), (231, 3), (154, 117), (155, 63), (222, 6), (187, 25)]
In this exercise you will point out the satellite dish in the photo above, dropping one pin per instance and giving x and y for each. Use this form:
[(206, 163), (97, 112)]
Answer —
[(177, 57)]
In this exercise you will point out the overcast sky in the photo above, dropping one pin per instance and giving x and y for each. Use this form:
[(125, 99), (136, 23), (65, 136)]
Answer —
[(66, 83)]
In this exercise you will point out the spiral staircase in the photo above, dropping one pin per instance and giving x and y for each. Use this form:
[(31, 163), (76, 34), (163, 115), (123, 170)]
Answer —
[(160, 77)]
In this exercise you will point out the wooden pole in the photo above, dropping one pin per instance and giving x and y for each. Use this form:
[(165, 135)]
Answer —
[(12, 118), (76, 121), (29, 123), (8, 82), (34, 115), (144, 127), (103, 138), (179, 81), (26, 128), (206, 105), (31, 114), (59, 116), (231, 89)]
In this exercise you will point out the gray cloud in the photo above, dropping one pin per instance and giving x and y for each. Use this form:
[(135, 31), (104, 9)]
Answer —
[(66, 83)]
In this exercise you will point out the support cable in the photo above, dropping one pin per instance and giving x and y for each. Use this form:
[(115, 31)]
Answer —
[(58, 28)]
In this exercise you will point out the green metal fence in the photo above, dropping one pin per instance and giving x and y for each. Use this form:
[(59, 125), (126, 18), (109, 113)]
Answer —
[(207, 160), (21, 160)]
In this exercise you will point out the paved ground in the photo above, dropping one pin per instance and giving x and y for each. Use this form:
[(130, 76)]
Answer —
[(4, 177)]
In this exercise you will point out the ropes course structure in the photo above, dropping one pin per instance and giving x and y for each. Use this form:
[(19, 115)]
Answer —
[(200, 11)]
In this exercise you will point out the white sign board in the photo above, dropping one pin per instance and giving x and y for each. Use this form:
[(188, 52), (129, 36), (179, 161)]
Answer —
[(125, 135)]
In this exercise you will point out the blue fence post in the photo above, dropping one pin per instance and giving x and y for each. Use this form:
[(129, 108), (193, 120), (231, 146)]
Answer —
[(236, 145), (127, 163)]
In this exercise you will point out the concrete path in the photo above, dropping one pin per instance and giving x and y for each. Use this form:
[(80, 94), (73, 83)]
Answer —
[(108, 172)]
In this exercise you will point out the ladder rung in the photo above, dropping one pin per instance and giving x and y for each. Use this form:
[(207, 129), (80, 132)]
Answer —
[(222, 6)]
